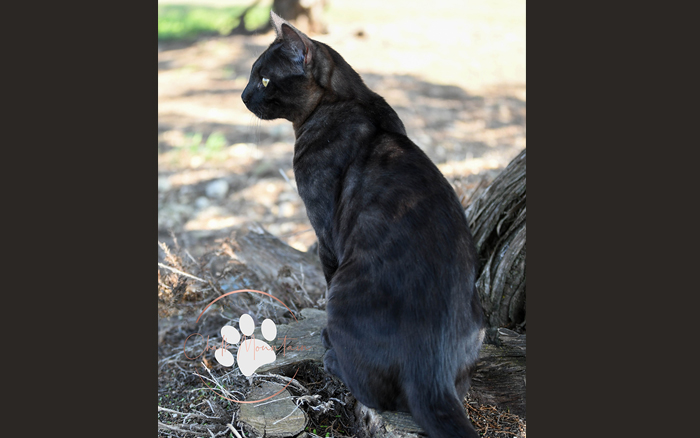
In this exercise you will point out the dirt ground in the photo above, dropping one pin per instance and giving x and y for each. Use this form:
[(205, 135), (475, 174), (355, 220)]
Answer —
[(455, 74)]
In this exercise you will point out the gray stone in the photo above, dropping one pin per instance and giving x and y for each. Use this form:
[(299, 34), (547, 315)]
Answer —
[(201, 203), (217, 189)]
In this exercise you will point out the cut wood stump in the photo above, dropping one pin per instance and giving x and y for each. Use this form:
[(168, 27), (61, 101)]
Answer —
[(274, 417)]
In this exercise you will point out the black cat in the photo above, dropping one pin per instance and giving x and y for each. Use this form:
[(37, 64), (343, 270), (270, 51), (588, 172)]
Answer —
[(404, 319)]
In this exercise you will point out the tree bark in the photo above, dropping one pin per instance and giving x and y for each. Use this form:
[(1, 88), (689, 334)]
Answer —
[(497, 221), (306, 15)]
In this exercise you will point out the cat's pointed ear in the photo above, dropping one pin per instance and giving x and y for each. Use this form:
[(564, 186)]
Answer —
[(292, 37), (277, 23)]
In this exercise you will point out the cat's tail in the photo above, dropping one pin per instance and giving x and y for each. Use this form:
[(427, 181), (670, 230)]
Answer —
[(440, 413)]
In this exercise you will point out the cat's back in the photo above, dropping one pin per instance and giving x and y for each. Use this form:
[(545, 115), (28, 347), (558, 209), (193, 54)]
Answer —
[(396, 207), (397, 174)]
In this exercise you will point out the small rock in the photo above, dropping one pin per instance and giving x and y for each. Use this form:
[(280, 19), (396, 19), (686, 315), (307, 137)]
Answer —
[(201, 203), (217, 189)]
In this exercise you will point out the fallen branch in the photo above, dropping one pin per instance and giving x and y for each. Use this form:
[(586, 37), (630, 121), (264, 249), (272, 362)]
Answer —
[(294, 382), (177, 271), (233, 429)]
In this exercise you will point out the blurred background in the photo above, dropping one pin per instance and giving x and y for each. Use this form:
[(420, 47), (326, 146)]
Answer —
[(453, 70)]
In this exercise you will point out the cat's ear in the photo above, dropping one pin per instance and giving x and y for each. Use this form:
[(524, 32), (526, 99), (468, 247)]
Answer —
[(277, 23), (295, 39)]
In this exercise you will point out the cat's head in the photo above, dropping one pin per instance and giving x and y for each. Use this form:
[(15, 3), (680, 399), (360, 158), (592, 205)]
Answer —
[(286, 81)]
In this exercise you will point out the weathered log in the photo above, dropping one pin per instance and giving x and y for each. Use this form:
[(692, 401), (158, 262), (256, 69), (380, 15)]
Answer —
[(499, 380), (299, 341), (497, 221), (292, 276), (499, 377), (372, 424)]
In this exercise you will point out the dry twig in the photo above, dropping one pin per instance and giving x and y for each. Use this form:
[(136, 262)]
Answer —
[(177, 271)]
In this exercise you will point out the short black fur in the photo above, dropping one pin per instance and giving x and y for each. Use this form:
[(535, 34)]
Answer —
[(404, 319)]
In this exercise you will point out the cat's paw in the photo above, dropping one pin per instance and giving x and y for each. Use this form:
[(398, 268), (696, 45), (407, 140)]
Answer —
[(252, 353), (325, 339), (330, 364)]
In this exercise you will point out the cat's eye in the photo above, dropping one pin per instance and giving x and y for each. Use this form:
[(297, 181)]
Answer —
[(265, 81)]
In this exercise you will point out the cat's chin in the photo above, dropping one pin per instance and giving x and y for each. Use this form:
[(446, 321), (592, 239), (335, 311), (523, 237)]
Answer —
[(262, 116)]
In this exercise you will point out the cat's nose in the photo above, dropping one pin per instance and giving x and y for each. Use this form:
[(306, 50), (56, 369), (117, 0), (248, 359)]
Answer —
[(246, 96)]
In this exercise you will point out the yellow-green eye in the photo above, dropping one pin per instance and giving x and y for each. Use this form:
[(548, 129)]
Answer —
[(265, 81)]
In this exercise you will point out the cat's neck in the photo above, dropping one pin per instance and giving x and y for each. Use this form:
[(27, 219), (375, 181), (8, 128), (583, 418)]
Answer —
[(342, 101), (336, 83)]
